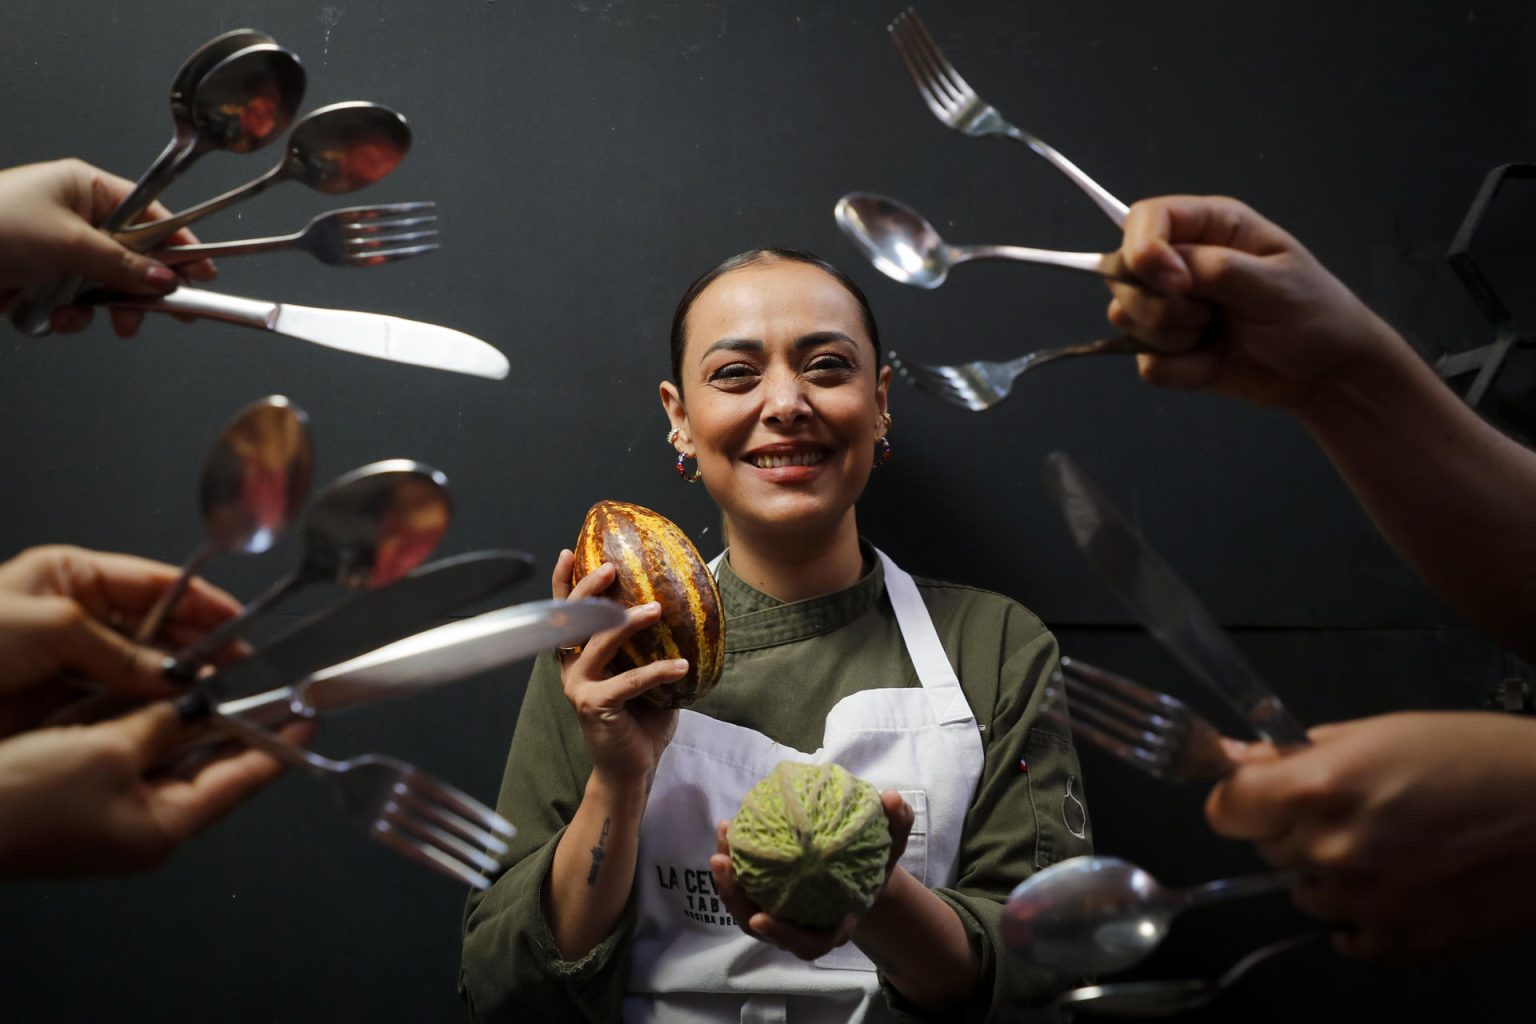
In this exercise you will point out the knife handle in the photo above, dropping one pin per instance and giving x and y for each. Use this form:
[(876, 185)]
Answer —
[(195, 302)]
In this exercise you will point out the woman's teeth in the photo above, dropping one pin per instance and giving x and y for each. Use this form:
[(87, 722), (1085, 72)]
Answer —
[(780, 461)]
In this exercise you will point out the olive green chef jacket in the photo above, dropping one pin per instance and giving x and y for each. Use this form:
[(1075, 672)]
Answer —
[(786, 665)]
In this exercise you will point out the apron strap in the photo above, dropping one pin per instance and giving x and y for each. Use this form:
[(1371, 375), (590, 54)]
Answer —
[(933, 668)]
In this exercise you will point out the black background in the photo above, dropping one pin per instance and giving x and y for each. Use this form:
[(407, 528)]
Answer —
[(589, 159)]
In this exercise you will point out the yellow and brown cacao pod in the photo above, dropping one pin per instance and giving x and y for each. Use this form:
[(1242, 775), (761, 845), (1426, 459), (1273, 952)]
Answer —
[(656, 561)]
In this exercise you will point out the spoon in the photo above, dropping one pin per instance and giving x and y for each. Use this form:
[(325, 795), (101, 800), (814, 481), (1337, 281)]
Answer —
[(336, 149), (367, 528), (1103, 914), (1162, 998), (228, 95), (253, 482), (906, 248), (185, 134)]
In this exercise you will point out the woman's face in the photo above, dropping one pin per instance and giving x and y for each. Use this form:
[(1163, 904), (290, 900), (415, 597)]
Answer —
[(781, 401)]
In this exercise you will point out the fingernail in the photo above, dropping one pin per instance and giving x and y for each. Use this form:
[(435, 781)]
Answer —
[(680, 665), (160, 275)]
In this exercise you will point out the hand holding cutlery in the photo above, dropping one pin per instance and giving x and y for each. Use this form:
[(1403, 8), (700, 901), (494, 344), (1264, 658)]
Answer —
[(237, 93)]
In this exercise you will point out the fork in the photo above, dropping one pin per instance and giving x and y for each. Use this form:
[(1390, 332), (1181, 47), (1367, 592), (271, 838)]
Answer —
[(1157, 733), (397, 804), (356, 236), (981, 384), (956, 104)]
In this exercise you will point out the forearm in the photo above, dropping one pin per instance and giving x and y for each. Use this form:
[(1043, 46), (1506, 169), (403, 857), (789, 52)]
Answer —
[(917, 941), (593, 869), (1451, 493)]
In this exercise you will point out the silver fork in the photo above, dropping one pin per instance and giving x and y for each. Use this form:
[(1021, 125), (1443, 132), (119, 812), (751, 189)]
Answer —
[(356, 236), (400, 806), (956, 104), (1157, 733), (981, 384)]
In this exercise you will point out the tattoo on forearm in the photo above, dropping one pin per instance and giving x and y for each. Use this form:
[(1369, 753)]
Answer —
[(597, 852)]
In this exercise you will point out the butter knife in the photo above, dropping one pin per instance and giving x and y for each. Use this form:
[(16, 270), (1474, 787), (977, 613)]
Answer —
[(1169, 610), (366, 334), (428, 659)]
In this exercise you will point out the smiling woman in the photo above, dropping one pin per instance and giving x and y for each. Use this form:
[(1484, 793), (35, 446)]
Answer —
[(622, 902)]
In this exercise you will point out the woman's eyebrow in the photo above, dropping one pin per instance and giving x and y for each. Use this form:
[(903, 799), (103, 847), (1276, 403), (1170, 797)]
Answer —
[(733, 345), (822, 337)]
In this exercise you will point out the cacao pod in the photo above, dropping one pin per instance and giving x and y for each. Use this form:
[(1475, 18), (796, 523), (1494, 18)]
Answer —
[(810, 844), (656, 561)]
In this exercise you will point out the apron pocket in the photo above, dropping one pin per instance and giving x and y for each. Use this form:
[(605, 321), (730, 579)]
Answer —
[(1056, 794), (849, 957)]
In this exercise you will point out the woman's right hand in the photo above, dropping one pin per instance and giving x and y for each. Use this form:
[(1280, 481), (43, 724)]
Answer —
[(625, 737)]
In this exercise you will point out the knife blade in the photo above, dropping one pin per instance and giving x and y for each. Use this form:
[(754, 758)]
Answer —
[(1168, 608), (433, 658), (372, 618), (376, 335)]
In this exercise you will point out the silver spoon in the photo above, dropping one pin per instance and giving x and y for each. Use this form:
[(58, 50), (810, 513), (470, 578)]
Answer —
[(185, 130), (336, 149), (1102, 914), (367, 528), (232, 94), (1162, 998), (906, 248), (254, 480)]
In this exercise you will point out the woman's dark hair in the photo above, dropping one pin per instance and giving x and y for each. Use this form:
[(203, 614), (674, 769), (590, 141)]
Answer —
[(752, 258)]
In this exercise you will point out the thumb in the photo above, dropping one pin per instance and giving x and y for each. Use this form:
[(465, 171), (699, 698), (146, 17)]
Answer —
[(99, 257), (1231, 277)]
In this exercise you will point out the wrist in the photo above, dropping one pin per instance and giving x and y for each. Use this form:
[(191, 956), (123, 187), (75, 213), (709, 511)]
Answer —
[(617, 791)]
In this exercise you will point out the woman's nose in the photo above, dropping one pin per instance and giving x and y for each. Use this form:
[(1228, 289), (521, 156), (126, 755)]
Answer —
[(785, 400)]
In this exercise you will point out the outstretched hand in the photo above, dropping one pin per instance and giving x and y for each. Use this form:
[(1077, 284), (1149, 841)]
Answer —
[(48, 218), (69, 611), (1416, 830), (1241, 308)]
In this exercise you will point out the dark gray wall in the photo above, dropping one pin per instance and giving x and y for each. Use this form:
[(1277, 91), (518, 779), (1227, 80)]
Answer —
[(590, 159)]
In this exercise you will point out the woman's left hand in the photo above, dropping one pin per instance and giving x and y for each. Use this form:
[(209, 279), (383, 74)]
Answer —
[(805, 943)]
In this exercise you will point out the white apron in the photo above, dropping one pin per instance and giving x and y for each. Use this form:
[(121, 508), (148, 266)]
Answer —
[(690, 961)]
